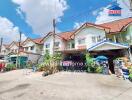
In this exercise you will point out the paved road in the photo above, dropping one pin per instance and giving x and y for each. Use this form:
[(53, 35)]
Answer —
[(16, 85)]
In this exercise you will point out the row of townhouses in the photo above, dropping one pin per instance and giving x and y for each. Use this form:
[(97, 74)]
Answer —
[(112, 39)]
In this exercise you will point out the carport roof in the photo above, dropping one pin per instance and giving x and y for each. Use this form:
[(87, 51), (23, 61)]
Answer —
[(107, 45)]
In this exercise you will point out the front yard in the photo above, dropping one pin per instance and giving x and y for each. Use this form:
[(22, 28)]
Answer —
[(16, 85)]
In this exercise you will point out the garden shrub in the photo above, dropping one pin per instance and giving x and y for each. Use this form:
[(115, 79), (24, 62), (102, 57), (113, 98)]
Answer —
[(91, 67), (42, 67), (99, 69), (10, 67), (130, 77), (130, 69)]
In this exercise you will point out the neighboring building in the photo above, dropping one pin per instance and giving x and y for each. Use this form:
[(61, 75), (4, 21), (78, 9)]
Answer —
[(32, 48), (61, 41), (14, 47), (5, 49), (33, 45), (120, 31)]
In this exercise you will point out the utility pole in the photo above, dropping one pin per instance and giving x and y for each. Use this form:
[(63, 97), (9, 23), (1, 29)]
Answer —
[(19, 47), (54, 25), (20, 36), (1, 43)]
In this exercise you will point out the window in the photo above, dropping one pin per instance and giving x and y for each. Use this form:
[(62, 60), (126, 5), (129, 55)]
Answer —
[(99, 38), (72, 45), (94, 39), (57, 44), (32, 48), (68, 46), (81, 41), (47, 45), (26, 48)]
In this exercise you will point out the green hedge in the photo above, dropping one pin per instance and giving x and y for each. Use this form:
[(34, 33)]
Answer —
[(130, 77), (10, 67)]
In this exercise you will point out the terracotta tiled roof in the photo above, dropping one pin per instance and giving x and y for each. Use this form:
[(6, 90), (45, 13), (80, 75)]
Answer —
[(118, 25), (66, 35), (96, 25), (38, 40)]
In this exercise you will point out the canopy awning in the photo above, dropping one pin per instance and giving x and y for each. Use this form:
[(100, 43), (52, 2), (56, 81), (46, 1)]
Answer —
[(107, 45)]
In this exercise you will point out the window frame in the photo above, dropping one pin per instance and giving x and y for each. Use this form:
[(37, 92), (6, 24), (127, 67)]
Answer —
[(57, 44), (47, 45), (80, 41), (32, 47)]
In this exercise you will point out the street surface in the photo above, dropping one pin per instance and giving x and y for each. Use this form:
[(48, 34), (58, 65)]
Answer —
[(16, 85)]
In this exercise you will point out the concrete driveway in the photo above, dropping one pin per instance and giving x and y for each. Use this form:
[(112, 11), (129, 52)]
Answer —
[(16, 85)]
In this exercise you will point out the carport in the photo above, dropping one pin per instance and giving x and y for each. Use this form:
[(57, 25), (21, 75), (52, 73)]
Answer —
[(75, 59), (111, 50)]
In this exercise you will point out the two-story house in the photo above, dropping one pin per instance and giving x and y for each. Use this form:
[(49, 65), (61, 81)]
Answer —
[(32, 48), (14, 47), (60, 43), (100, 39), (120, 31), (5, 49), (33, 45), (82, 39)]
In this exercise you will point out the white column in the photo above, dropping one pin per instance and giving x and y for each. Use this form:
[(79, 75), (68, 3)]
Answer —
[(114, 38)]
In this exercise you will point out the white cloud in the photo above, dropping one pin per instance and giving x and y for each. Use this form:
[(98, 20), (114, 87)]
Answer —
[(19, 12), (95, 12), (40, 13), (103, 14), (8, 31), (78, 24)]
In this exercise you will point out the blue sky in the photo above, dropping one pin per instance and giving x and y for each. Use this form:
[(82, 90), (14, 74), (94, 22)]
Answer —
[(80, 11), (76, 11)]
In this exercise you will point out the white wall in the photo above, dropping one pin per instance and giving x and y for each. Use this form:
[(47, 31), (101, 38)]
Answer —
[(49, 40), (4, 50), (29, 44), (88, 33), (14, 47)]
